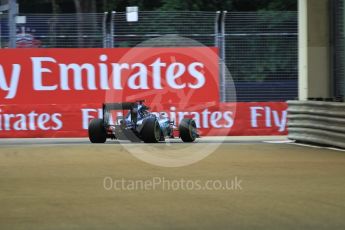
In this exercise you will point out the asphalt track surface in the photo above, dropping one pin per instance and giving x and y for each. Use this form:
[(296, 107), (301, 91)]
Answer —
[(60, 184)]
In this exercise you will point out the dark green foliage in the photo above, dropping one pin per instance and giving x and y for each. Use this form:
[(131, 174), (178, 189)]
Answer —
[(254, 5), (68, 6)]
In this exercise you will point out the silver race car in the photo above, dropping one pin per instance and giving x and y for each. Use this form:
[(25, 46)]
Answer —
[(138, 124)]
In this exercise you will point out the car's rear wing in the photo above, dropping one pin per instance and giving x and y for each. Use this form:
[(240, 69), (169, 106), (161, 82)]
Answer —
[(108, 107), (119, 106)]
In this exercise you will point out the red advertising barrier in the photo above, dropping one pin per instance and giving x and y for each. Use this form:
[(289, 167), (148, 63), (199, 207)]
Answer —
[(55, 92), (77, 76), (71, 120)]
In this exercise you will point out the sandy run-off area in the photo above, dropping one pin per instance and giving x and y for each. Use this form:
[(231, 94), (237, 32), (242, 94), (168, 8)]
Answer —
[(244, 184)]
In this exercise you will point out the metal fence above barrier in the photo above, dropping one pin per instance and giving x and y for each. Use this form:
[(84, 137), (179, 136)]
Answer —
[(57, 31), (338, 51), (197, 26), (261, 54), (259, 49)]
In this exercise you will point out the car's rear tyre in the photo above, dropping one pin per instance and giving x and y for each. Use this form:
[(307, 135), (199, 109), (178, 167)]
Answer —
[(150, 132), (188, 131), (97, 132)]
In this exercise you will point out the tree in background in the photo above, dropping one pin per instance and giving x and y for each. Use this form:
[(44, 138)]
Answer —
[(84, 6), (254, 5), (93, 6)]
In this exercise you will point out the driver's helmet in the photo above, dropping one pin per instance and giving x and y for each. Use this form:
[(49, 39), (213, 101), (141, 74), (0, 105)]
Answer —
[(142, 111)]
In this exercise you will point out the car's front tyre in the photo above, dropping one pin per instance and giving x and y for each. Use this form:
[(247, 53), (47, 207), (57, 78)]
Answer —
[(188, 131)]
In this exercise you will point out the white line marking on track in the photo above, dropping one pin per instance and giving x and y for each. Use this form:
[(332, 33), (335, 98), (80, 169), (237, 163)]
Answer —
[(317, 147), (307, 145), (336, 149), (279, 142)]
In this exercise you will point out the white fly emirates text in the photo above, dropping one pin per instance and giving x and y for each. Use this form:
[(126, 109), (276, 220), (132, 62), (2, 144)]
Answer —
[(104, 75)]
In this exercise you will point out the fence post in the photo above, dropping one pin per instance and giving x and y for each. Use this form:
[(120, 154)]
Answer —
[(52, 31), (104, 29), (12, 22), (0, 30), (112, 25), (222, 56), (216, 29)]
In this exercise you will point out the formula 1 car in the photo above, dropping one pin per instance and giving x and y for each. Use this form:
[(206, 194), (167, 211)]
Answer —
[(138, 125)]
